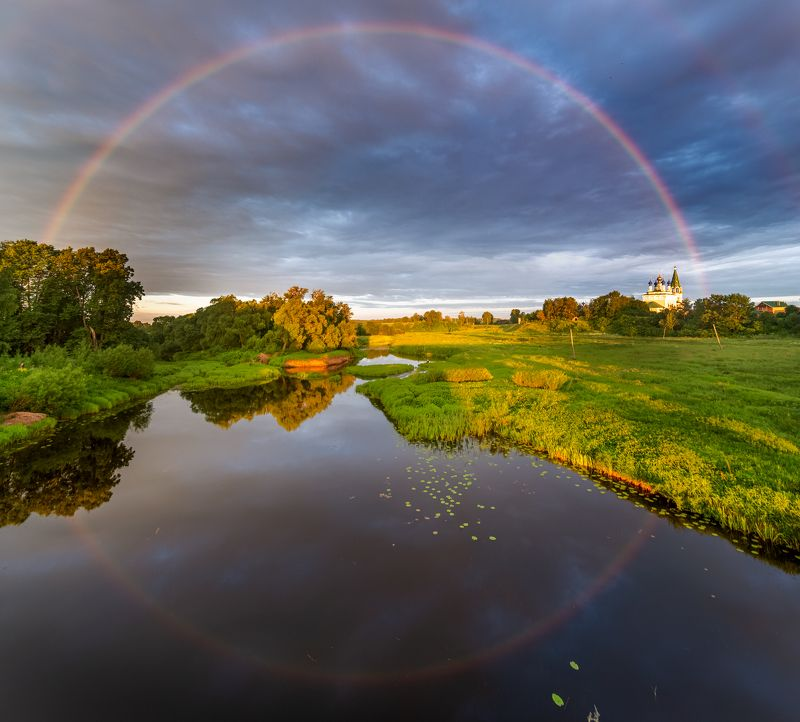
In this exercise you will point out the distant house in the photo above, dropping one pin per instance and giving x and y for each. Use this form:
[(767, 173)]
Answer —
[(772, 307), (661, 295)]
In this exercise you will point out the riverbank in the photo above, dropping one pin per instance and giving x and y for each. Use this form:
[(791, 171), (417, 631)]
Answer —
[(712, 429), (100, 393)]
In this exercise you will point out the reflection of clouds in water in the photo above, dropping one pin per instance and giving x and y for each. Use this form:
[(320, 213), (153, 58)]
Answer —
[(298, 555), (377, 358)]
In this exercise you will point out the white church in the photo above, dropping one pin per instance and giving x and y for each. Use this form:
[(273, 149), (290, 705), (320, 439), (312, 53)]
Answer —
[(661, 295)]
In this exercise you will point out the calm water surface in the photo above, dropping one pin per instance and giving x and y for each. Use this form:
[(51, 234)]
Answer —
[(280, 552)]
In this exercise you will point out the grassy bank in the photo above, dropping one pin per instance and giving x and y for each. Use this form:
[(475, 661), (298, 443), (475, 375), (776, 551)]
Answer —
[(94, 392), (715, 430), (378, 371)]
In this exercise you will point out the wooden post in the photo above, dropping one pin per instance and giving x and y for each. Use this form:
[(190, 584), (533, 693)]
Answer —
[(716, 334), (572, 341)]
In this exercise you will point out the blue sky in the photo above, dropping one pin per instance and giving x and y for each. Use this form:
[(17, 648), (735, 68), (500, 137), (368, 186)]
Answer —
[(400, 173)]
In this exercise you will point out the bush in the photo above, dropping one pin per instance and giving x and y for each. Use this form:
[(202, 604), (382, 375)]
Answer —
[(49, 390), (548, 379), (125, 361), (10, 385), (458, 376), (54, 357)]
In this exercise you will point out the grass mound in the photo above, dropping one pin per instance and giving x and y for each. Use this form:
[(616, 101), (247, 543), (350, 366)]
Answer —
[(460, 375)]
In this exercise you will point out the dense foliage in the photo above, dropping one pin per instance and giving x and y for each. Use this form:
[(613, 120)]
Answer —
[(275, 323), (52, 297), (613, 312)]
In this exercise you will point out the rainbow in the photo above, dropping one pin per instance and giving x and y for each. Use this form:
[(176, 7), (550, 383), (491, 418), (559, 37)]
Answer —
[(539, 629), (200, 72)]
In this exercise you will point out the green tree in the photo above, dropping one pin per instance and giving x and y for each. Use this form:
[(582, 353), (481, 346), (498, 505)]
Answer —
[(9, 313), (564, 308), (317, 325), (432, 318), (733, 312), (601, 311), (29, 266), (487, 318)]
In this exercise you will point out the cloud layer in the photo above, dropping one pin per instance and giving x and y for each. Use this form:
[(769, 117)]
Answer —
[(393, 170)]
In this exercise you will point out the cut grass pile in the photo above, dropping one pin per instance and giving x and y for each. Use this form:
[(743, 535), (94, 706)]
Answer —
[(712, 429)]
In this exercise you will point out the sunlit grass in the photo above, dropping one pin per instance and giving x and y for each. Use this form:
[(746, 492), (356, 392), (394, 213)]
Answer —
[(104, 393), (378, 371), (713, 430)]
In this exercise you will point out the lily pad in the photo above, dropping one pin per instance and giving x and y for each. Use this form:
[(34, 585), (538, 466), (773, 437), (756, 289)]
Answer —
[(557, 700)]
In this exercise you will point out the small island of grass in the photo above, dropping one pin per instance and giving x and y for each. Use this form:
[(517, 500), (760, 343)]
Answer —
[(378, 371)]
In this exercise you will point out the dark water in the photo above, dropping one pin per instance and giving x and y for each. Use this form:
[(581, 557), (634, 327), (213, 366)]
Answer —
[(281, 553)]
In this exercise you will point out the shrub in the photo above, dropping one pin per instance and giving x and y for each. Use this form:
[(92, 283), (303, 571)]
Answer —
[(54, 357), (10, 385), (458, 376), (125, 361), (547, 379), (49, 390)]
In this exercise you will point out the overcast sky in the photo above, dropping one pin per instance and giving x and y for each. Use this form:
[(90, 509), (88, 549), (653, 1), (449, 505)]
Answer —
[(399, 172)]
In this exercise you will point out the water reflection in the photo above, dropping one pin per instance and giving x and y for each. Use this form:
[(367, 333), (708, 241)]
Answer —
[(290, 400), (76, 469)]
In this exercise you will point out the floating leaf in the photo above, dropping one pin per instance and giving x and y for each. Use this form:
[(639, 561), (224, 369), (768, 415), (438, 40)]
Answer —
[(557, 700), (492, 538), (474, 538), (574, 665)]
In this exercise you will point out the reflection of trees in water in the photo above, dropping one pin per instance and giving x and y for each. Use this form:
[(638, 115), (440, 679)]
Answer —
[(75, 469), (290, 400)]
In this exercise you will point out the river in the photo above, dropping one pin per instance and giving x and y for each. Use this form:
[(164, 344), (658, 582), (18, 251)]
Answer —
[(280, 552)]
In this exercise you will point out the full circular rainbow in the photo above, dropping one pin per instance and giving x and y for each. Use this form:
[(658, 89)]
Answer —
[(153, 104)]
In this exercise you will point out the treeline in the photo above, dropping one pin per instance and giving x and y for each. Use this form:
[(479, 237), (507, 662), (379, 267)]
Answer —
[(66, 333), (83, 298), (275, 323), (615, 313), (420, 322), (732, 314), (51, 297)]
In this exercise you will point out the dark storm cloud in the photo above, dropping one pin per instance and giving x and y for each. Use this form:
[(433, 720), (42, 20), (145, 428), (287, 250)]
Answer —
[(397, 171)]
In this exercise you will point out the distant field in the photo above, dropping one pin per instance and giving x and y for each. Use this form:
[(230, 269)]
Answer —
[(716, 430)]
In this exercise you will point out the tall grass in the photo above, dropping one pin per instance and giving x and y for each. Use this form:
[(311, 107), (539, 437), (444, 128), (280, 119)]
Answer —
[(545, 379)]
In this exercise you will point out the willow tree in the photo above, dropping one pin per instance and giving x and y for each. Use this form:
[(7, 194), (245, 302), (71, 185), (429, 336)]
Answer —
[(318, 325)]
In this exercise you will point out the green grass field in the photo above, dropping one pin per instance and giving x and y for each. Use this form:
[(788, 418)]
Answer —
[(714, 430)]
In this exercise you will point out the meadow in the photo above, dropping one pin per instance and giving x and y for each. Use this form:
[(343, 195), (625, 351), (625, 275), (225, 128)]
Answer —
[(713, 429)]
